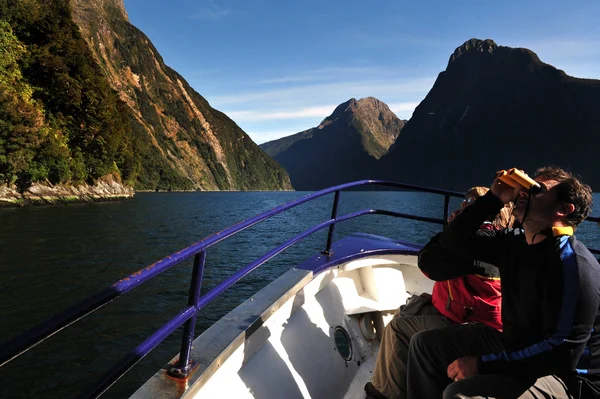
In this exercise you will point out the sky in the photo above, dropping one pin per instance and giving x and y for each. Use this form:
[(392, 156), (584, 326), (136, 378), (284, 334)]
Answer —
[(278, 67)]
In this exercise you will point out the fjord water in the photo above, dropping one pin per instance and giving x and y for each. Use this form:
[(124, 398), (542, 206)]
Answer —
[(53, 256)]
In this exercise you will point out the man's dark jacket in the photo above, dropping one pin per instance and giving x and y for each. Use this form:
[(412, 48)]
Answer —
[(550, 294)]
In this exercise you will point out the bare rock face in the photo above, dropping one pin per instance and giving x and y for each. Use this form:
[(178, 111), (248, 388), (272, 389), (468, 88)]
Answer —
[(474, 45), (377, 126), (193, 145), (106, 188), (9, 196)]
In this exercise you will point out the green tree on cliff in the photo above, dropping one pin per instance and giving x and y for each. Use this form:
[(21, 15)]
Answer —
[(59, 119)]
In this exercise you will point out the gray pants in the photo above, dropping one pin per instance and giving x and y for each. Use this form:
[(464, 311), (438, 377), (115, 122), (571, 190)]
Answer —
[(389, 376), (432, 351)]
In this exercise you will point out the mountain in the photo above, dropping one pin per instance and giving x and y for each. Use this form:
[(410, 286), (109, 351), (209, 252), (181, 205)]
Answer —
[(344, 147), (84, 95), (493, 108), (59, 119), (189, 138)]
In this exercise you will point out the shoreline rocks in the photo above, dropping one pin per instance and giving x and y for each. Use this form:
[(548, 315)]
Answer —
[(105, 189)]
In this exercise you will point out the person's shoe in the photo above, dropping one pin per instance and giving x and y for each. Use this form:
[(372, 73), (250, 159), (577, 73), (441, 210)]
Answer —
[(372, 392)]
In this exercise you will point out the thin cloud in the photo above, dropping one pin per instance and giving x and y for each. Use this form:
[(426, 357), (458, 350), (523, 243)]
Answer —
[(268, 113), (567, 48), (583, 70), (577, 57), (341, 91), (328, 74), (298, 118), (260, 137), (260, 115), (403, 107), (210, 11), (402, 41)]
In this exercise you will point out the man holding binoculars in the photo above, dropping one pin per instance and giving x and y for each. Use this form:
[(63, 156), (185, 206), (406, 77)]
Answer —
[(549, 346)]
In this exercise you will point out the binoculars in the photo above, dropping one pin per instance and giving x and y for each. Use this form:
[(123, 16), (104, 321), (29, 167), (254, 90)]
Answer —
[(515, 178)]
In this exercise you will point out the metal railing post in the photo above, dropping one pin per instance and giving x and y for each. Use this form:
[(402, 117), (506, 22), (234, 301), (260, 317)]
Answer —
[(334, 212), (185, 364)]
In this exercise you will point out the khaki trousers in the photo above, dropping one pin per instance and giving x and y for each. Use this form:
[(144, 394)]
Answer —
[(389, 376)]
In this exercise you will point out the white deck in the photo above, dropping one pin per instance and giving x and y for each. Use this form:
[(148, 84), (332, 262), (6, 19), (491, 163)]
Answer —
[(363, 375), (280, 342)]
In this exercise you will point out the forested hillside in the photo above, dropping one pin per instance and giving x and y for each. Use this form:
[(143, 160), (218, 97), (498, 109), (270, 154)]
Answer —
[(72, 111), (193, 145), (59, 119)]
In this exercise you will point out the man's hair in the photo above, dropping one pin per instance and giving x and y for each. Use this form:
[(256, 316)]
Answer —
[(570, 190)]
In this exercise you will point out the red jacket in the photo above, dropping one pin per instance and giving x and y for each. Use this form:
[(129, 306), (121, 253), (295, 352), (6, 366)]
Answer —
[(471, 298)]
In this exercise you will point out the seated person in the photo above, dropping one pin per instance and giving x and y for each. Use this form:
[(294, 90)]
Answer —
[(549, 345), (474, 298)]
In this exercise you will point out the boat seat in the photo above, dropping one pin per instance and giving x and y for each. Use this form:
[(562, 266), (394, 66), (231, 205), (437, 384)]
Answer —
[(370, 274), (357, 246)]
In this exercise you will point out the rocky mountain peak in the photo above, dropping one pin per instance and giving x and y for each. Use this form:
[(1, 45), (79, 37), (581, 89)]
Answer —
[(101, 7), (370, 101), (353, 106), (359, 109), (371, 119), (367, 118), (344, 108), (487, 46), (370, 106)]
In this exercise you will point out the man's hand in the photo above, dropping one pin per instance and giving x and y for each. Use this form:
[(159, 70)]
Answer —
[(502, 190), (453, 215), (462, 368)]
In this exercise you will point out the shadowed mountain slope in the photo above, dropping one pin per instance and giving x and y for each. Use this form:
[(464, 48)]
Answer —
[(344, 147), (493, 108)]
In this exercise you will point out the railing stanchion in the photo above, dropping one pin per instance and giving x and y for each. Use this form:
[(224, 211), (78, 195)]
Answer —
[(185, 364), (334, 212)]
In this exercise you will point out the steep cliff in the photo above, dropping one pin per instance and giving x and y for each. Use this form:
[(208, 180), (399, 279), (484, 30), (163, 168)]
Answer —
[(60, 122), (84, 95), (193, 145), (493, 108)]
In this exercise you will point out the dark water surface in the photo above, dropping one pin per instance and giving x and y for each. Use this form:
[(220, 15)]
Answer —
[(53, 256)]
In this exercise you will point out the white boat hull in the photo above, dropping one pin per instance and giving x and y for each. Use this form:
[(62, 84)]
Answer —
[(280, 343)]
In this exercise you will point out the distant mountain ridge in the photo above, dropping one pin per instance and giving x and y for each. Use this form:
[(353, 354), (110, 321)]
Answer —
[(496, 107), (345, 146)]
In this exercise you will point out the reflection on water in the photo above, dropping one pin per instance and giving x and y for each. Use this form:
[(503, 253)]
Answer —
[(53, 256)]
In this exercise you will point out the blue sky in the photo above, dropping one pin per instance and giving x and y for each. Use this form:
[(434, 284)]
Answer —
[(279, 67)]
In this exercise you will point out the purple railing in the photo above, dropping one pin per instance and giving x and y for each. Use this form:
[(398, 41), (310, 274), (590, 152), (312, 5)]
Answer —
[(29, 339)]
